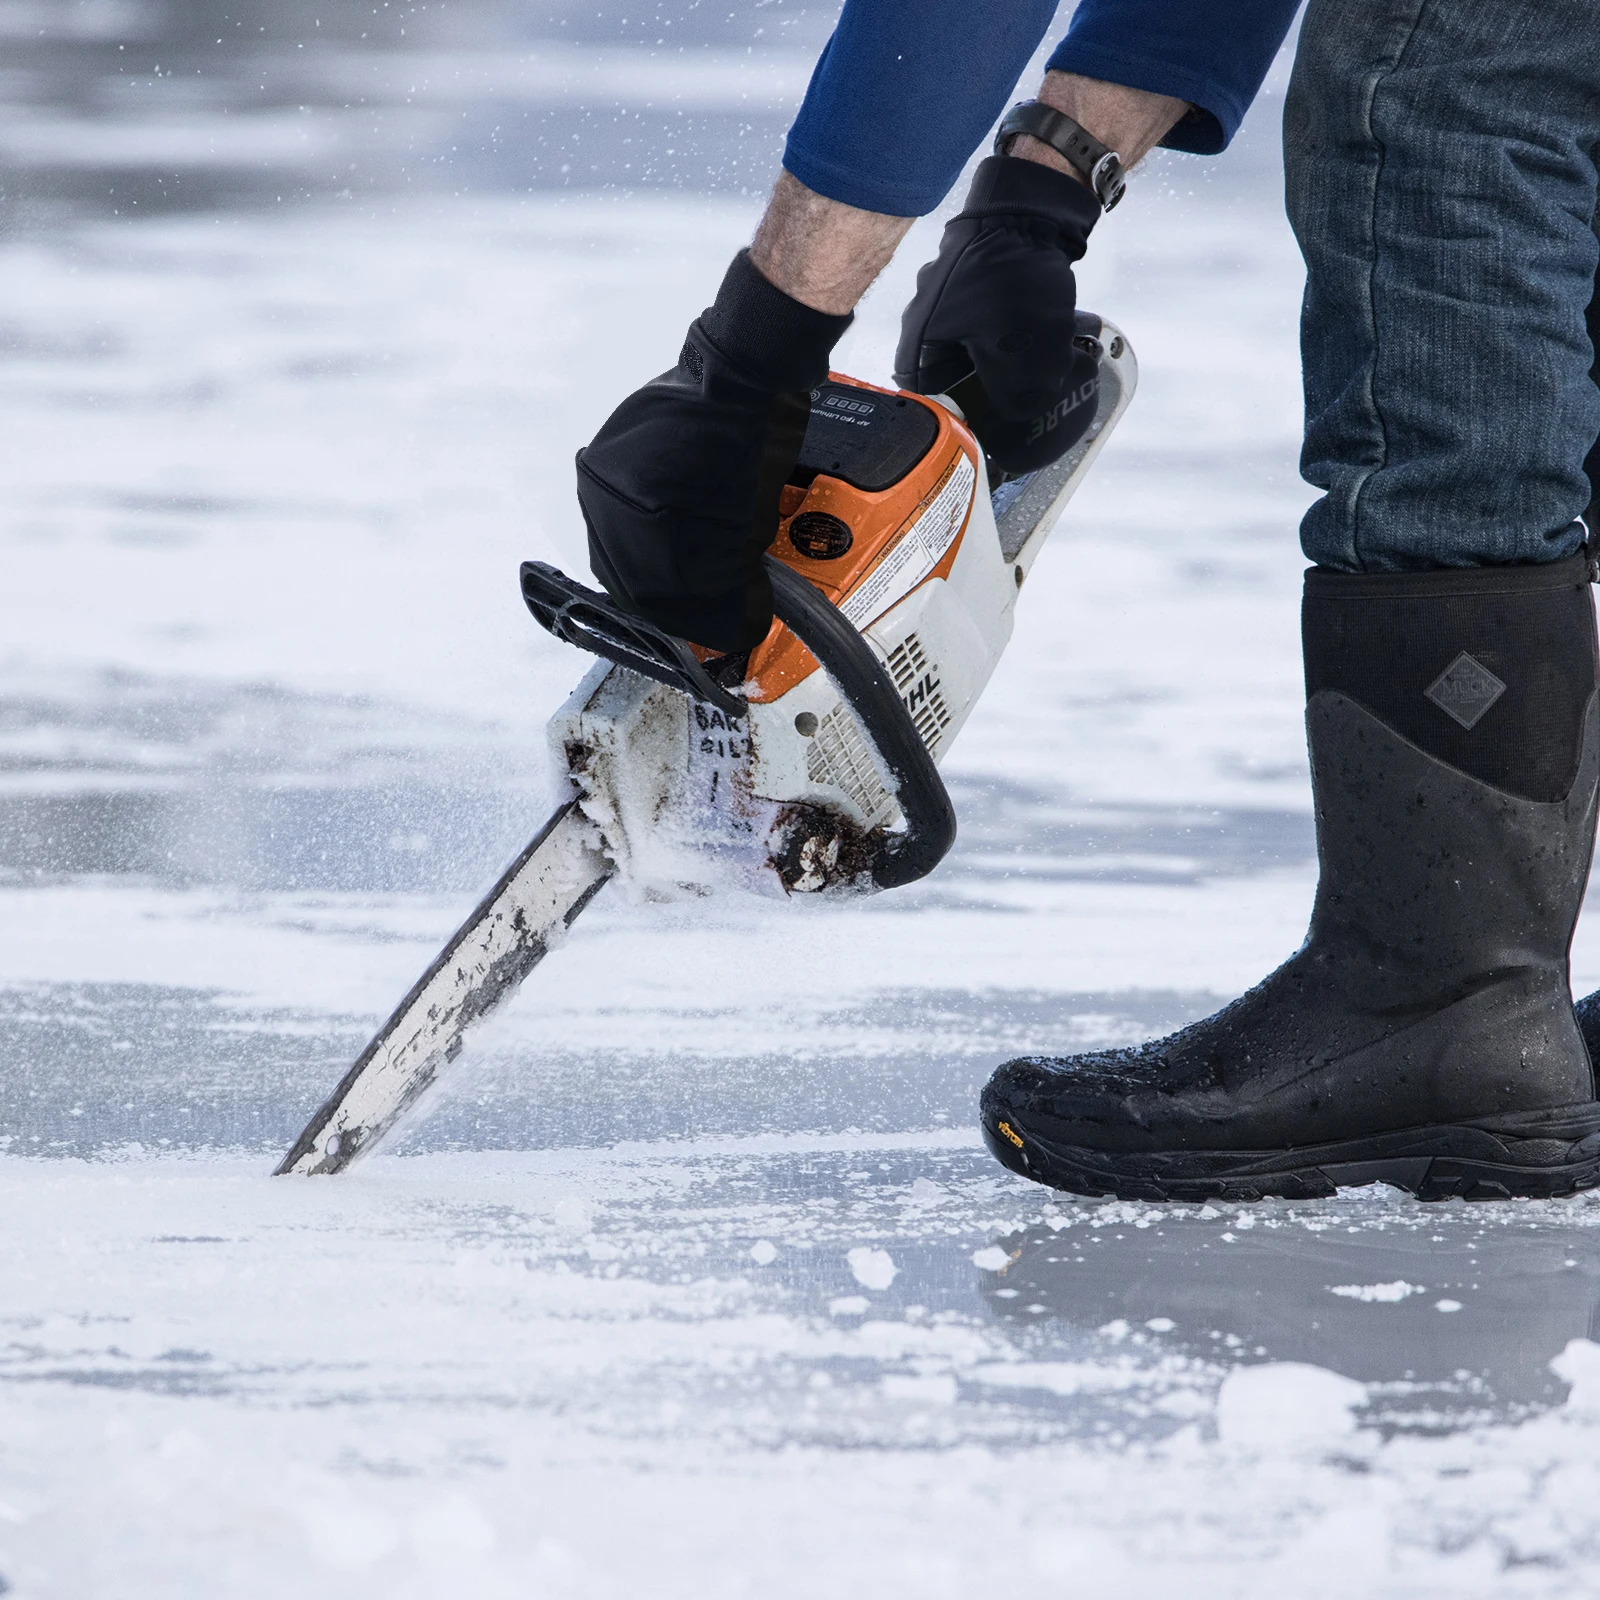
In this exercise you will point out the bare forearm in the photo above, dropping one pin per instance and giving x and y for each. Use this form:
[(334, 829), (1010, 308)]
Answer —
[(820, 252), (826, 254)]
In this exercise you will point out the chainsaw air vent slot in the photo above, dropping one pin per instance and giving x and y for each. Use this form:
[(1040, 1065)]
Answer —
[(919, 688), (839, 755)]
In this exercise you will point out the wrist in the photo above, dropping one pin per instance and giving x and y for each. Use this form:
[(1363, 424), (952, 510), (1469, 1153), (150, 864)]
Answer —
[(1090, 160), (1130, 121), (1036, 150), (1002, 187), (780, 342)]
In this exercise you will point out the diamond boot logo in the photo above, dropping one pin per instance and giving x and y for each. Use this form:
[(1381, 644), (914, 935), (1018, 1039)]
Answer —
[(1465, 690)]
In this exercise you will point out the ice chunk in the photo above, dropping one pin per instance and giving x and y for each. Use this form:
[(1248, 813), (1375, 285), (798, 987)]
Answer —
[(871, 1268), (1579, 1365), (1284, 1404)]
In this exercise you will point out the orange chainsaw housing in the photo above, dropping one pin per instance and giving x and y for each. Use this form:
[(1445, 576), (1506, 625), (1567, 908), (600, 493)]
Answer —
[(875, 520)]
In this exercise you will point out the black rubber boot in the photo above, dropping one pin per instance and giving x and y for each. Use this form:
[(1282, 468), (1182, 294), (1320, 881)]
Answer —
[(1424, 1034)]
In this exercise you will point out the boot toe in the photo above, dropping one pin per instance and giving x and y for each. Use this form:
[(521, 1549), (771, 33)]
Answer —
[(1066, 1094)]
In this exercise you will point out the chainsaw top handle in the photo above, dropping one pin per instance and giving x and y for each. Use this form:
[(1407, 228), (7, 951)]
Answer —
[(590, 620)]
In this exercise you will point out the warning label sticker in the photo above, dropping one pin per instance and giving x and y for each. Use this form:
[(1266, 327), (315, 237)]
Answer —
[(934, 526)]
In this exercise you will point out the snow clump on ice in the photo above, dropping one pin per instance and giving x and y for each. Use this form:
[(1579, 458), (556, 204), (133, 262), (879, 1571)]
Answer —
[(1286, 1403), (1579, 1365), (872, 1269), (1384, 1293)]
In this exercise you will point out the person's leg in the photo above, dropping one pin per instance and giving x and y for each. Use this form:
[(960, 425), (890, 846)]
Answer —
[(1440, 175), (1588, 1008), (1441, 183)]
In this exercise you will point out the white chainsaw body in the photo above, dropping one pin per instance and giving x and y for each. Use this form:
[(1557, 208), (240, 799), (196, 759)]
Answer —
[(687, 798)]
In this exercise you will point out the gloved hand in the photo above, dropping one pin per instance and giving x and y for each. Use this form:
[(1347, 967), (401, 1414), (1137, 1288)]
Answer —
[(999, 298), (680, 489)]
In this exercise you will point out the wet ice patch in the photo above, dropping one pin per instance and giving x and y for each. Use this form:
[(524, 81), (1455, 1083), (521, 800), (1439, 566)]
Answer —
[(1286, 1403), (1377, 1293), (872, 1268)]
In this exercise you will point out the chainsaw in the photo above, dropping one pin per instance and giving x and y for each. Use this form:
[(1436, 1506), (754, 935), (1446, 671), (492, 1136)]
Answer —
[(808, 766)]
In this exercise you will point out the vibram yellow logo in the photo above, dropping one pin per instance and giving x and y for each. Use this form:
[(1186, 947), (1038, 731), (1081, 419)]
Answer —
[(1011, 1134)]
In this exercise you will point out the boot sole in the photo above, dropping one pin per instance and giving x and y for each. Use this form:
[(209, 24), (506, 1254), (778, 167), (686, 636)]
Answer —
[(1543, 1155)]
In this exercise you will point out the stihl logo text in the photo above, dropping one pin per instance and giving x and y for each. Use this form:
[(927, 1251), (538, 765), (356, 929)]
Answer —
[(917, 696)]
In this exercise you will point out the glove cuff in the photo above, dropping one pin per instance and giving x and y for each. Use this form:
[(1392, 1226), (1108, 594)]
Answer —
[(776, 341), (1009, 186)]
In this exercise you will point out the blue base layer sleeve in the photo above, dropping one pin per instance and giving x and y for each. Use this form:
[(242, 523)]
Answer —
[(907, 89)]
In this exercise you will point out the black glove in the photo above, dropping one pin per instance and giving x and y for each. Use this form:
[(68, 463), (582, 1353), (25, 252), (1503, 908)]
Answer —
[(999, 299), (680, 488)]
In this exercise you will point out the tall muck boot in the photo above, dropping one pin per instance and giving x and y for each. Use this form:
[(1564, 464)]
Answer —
[(1424, 1034)]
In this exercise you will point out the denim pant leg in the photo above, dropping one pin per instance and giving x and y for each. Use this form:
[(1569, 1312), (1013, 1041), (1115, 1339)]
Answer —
[(1592, 466), (1440, 167)]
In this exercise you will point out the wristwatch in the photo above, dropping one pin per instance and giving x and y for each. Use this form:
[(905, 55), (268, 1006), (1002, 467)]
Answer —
[(1102, 167)]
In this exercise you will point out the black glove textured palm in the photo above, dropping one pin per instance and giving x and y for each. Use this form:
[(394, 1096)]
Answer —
[(999, 300), (680, 489)]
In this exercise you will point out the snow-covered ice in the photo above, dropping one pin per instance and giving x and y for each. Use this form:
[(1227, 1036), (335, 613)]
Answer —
[(698, 1282)]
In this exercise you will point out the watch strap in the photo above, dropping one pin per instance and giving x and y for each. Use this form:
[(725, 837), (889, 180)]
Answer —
[(1102, 167)]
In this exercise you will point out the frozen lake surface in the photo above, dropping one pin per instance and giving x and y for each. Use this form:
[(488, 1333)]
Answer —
[(698, 1281)]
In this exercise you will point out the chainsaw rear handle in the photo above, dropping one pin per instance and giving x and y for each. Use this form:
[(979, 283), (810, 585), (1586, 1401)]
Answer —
[(590, 620)]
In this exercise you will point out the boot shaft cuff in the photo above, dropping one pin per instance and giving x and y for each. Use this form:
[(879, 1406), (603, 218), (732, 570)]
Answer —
[(1490, 669), (1573, 572)]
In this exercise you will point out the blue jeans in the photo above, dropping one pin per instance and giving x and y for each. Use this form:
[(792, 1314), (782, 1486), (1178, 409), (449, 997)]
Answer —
[(1440, 162)]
